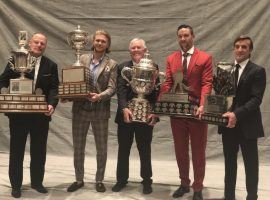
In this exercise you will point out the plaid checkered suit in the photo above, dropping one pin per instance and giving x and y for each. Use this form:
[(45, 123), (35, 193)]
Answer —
[(97, 114)]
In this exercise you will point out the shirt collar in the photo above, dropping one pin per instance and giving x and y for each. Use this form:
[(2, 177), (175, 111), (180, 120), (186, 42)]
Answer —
[(242, 64), (190, 51)]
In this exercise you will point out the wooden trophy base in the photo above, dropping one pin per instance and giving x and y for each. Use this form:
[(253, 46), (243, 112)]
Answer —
[(73, 91), (26, 103)]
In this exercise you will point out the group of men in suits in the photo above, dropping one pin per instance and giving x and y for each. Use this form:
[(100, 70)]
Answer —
[(243, 129)]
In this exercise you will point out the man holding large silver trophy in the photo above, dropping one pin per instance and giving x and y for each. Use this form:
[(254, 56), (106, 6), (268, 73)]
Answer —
[(137, 89), (93, 107), (27, 112)]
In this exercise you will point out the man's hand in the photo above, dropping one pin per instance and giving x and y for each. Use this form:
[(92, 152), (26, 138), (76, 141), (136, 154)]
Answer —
[(152, 119), (199, 112), (94, 97), (232, 119), (127, 115), (50, 110)]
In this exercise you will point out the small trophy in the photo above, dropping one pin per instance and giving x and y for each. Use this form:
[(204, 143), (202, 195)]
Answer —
[(216, 105), (76, 79), (142, 79), (19, 96), (177, 101)]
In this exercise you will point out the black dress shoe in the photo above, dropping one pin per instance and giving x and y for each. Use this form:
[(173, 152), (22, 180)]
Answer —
[(147, 189), (100, 187), (181, 191), (118, 187), (75, 186), (16, 193), (197, 195), (39, 188)]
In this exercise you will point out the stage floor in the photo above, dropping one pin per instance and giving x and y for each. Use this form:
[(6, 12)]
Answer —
[(59, 174)]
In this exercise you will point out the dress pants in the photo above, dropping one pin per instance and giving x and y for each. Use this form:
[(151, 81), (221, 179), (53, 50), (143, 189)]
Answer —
[(196, 132), (143, 136), (232, 140), (20, 125), (80, 127)]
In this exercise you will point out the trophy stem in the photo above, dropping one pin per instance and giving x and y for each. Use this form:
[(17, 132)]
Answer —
[(140, 96), (77, 63)]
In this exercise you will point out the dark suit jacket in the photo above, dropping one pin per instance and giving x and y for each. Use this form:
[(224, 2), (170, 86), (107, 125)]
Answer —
[(47, 80), (125, 92), (246, 104)]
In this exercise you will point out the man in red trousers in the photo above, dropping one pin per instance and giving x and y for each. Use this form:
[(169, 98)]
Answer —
[(196, 67)]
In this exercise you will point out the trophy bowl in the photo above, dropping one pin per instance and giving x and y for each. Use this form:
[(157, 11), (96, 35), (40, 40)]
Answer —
[(142, 79), (77, 39)]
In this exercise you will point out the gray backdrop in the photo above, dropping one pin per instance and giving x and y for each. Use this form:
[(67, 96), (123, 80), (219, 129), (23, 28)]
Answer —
[(216, 23)]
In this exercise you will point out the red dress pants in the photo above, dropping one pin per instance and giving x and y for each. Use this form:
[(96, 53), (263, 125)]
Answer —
[(196, 132)]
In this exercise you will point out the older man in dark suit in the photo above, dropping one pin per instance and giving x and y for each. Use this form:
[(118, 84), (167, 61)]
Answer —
[(126, 131), (45, 77), (245, 121)]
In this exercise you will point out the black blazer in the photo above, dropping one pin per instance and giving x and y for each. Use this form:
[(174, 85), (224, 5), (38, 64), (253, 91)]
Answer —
[(125, 92), (47, 79), (246, 104)]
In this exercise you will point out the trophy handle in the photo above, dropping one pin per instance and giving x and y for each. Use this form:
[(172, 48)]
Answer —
[(11, 64), (162, 78), (124, 70)]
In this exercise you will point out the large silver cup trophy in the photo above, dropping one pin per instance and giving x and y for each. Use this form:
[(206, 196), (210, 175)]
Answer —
[(20, 95), (76, 78), (220, 102), (142, 79)]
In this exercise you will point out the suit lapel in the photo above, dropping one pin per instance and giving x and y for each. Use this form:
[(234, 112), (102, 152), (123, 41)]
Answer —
[(40, 70), (102, 65), (192, 62), (245, 72)]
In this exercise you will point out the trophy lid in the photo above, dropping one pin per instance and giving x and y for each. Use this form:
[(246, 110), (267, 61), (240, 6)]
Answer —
[(146, 62), (22, 40), (226, 66)]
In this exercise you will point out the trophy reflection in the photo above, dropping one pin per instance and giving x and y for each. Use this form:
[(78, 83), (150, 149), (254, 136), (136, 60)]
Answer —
[(142, 79), (76, 79), (221, 102), (19, 97)]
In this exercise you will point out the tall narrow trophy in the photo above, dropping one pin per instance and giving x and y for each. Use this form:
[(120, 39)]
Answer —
[(76, 81), (142, 81), (219, 103), (176, 102), (19, 96)]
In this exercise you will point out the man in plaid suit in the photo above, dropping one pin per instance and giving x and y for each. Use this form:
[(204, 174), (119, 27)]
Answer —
[(95, 110)]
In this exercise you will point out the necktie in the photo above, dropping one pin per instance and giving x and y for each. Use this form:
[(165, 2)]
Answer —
[(236, 74), (185, 55)]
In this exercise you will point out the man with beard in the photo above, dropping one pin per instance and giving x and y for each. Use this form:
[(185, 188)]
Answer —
[(95, 110), (126, 130), (196, 67)]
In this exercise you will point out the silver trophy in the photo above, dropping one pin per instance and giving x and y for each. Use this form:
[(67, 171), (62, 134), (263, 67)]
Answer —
[(220, 102), (76, 78), (142, 79), (19, 96), (22, 62)]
